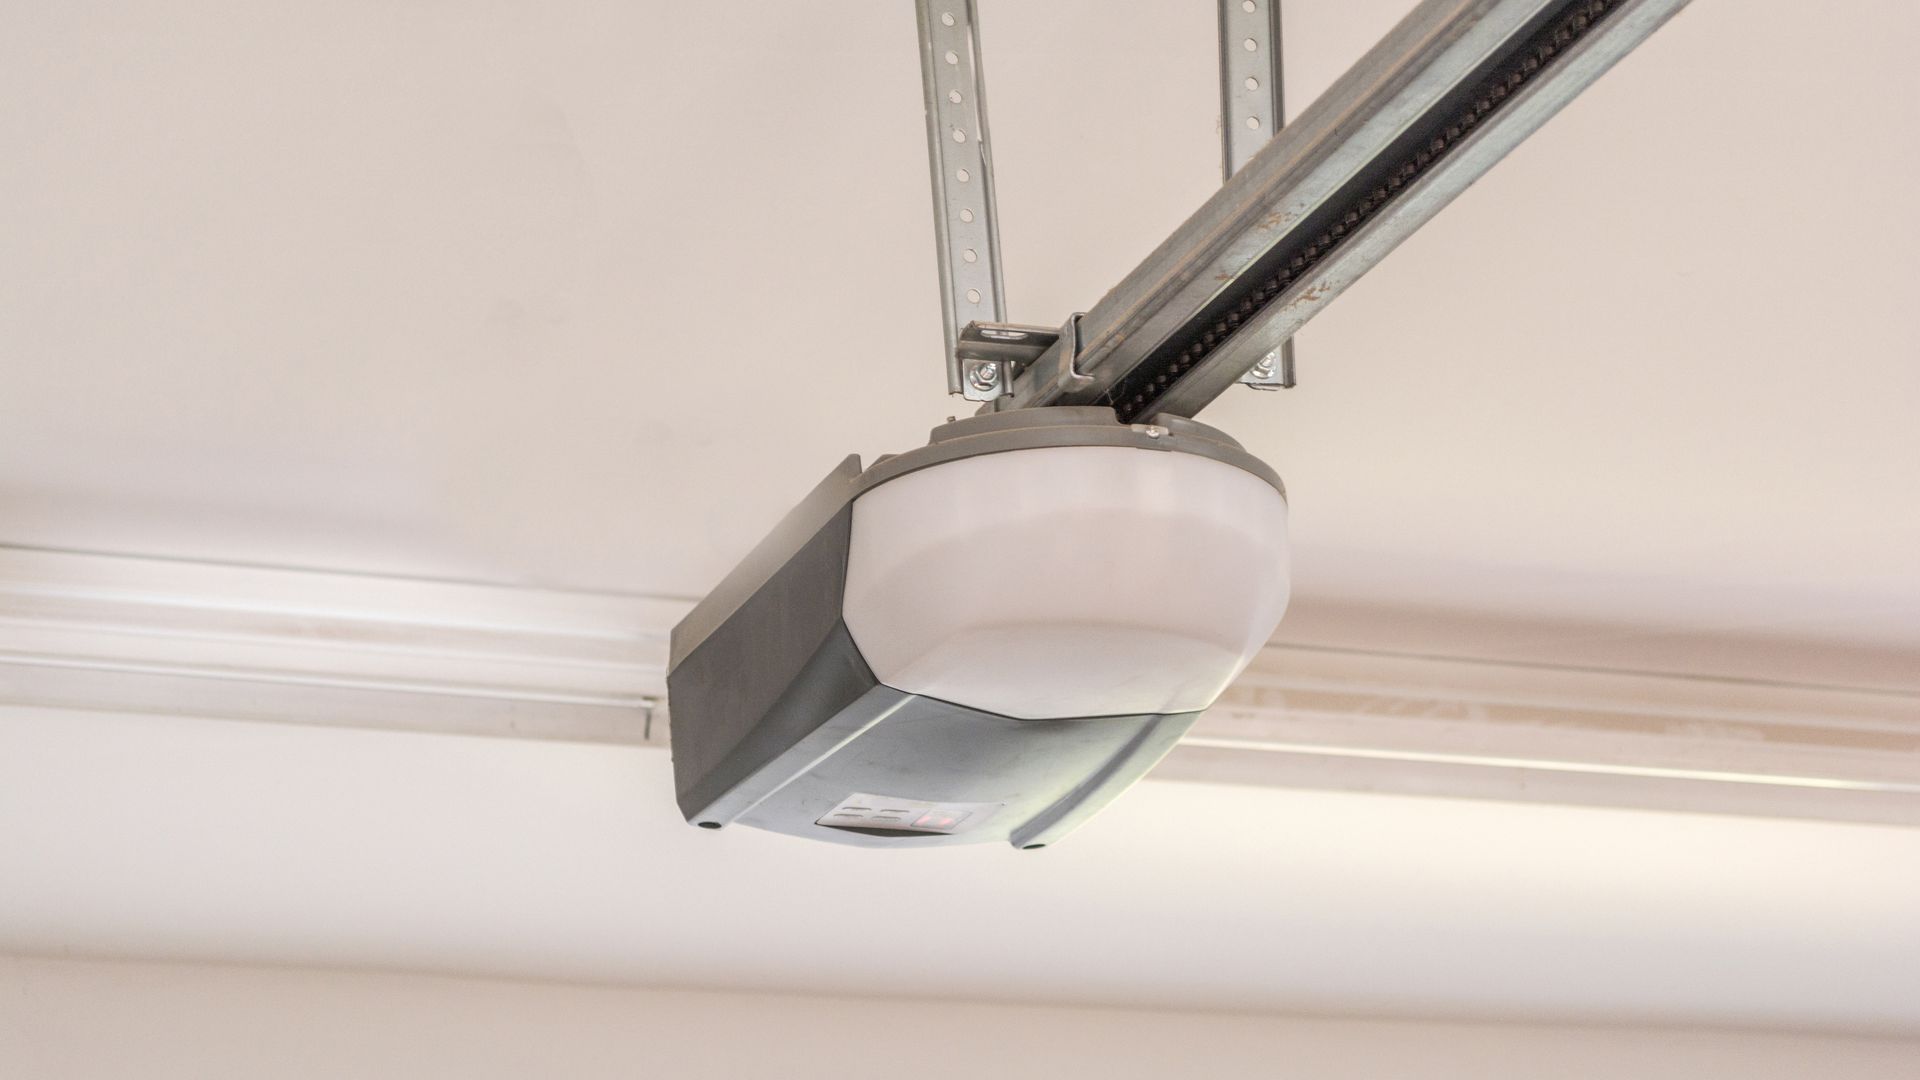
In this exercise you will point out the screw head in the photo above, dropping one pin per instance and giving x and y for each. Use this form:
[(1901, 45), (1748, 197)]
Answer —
[(984, 376), (1263, 369)]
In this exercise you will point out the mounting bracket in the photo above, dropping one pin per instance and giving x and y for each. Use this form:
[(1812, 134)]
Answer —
[(984, 354), (962, 166), (1252, 110), (1442, 98)]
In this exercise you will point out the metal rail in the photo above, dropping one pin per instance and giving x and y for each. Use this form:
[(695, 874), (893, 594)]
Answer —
[(965, 231), (1441, 99)]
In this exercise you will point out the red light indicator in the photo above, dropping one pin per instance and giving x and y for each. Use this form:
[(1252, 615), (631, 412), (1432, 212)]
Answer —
[(938, 820)]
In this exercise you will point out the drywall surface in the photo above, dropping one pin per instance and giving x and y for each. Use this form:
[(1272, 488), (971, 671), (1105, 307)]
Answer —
[(174, 838), (567, 293), (66, 1018)]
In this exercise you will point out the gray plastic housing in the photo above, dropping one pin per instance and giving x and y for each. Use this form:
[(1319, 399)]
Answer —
[(777, 719)]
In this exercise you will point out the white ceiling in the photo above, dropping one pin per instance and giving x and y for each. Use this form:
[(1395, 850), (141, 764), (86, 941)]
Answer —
[(172, 837), (586, 294)]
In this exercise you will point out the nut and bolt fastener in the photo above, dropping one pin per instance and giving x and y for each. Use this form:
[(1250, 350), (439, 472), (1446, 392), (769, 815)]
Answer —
[(1263, 369), (984, 376)]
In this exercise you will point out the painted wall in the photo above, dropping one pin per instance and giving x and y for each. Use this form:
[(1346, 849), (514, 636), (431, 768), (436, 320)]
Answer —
[(99, 1019)]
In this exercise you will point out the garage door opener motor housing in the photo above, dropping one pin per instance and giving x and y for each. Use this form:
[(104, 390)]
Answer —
[(987, 638)]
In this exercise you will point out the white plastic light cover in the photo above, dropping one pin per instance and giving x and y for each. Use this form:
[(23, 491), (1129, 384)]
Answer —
[(1067, 581)]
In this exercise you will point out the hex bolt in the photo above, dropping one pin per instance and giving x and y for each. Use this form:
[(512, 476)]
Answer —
[(984, 377), (1263, 369)]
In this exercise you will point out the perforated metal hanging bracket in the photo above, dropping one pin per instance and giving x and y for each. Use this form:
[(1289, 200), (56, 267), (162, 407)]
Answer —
[(1252, 109), (1442, 98), (984, 354), (961, 163)]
